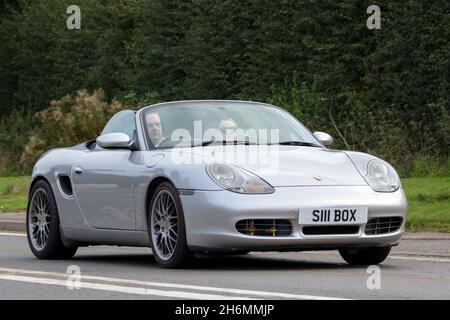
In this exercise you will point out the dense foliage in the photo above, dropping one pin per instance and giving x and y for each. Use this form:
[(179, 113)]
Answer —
[(385, 91), (68, 121)]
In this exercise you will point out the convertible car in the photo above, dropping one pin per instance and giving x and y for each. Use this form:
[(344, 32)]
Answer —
[(191, 178)]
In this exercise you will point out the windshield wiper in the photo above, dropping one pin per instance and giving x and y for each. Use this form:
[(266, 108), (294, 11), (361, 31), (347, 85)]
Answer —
[(224, 142), (247, 143), (299, 143)]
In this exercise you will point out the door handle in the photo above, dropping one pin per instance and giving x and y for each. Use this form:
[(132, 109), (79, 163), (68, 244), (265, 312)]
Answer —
[(78, 170)]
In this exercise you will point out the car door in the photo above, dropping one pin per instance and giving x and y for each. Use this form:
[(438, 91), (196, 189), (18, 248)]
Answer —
[(103, 180)]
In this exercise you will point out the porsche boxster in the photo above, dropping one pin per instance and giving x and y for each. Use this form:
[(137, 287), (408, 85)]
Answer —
[(190, 178)]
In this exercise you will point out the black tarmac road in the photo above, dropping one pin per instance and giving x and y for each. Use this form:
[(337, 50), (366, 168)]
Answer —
[(131, 273)]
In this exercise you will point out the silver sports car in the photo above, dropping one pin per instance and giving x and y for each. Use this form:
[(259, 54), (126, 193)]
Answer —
[(197, 177)]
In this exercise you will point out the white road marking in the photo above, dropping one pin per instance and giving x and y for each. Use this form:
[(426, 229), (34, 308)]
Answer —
[(262, 294), (13, 234), (420, 258), (123, 289)]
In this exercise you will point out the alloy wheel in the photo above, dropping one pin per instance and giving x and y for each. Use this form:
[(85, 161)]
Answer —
[(164, 225), (39, 219)]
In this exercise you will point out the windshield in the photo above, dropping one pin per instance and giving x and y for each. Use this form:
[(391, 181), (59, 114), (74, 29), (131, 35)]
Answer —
[(190, 124)]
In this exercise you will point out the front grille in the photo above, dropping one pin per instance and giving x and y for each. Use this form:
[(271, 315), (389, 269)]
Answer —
[(383, 225), (329, 230), (265, 227)]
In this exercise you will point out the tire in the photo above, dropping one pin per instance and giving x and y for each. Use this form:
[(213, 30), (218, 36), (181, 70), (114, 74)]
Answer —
[(365, 256), (48, 245), (167, 229)]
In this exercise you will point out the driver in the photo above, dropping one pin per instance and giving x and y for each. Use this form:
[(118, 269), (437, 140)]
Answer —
[(154, 128)]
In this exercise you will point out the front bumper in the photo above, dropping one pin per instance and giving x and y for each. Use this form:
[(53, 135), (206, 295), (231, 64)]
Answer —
[(211, 217)]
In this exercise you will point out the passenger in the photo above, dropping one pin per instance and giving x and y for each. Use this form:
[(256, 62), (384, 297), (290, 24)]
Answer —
[(228, 128)]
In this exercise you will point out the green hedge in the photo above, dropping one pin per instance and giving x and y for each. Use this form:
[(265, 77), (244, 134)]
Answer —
[(380, 91)]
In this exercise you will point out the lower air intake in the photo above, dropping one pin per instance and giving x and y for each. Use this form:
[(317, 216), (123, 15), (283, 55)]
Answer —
[(265, 227), (383, 225), (329, 230)]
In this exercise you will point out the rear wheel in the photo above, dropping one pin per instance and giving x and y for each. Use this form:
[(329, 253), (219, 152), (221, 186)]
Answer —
[(43, 233), (365, 256), (167, 228)]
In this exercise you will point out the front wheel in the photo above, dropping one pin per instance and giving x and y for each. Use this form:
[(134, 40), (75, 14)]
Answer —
[(167, 228), (365, 256), (43, 233)]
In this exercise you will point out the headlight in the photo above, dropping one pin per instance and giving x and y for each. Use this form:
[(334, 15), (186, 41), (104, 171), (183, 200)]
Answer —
[(382, 177), (237, 180)]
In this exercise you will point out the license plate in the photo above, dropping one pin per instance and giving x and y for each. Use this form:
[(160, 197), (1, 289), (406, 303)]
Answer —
[(314, 216)]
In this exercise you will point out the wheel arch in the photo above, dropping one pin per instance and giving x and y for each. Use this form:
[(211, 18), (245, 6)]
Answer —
[(35, 180), (151, 191)]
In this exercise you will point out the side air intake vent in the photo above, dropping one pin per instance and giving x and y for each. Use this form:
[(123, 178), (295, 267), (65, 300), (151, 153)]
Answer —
[(265, 227), (65, 185)]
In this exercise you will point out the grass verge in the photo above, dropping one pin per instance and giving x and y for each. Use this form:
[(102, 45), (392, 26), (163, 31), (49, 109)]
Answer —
[(13, 193), (428, 203)]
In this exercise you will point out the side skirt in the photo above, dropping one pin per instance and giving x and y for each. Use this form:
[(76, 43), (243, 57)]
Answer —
[(85, 235)]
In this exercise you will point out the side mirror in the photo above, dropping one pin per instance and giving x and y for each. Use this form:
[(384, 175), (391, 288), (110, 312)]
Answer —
[(324, 138), (115, 140)]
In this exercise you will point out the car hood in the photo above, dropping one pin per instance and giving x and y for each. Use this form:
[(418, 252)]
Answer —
[(284, 166)]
